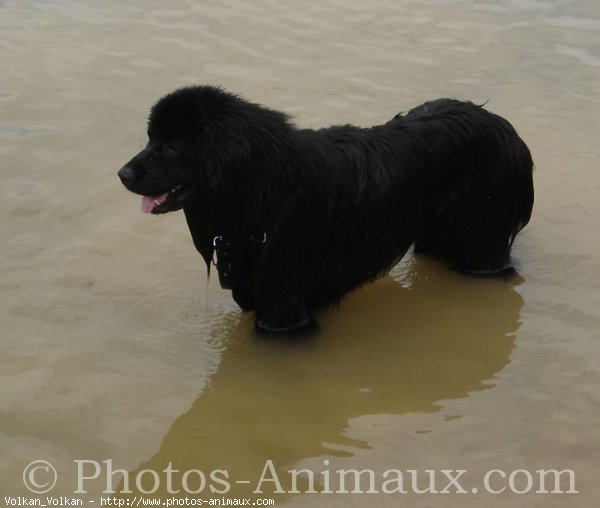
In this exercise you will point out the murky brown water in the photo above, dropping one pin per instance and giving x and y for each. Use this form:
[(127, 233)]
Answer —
[(115, 347)]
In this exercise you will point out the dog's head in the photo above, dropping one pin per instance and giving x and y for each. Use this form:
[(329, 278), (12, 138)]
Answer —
[(195, 136)]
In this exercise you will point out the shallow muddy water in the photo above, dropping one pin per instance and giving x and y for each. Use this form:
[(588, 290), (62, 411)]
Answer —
[(115, 347)]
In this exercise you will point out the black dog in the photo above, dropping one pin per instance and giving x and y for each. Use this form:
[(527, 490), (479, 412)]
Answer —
[(298, 217)]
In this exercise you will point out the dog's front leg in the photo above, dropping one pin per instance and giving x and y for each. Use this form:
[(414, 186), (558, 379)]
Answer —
[(280, 296), (284, 274)]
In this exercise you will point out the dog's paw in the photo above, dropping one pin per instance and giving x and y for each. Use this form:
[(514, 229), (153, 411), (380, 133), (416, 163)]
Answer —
[(282, 316)]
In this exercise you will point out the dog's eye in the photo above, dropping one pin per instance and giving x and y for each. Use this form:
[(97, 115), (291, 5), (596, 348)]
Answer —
[(170, 150)]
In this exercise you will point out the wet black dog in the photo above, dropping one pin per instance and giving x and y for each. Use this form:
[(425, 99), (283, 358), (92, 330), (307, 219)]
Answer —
[(298, 217)]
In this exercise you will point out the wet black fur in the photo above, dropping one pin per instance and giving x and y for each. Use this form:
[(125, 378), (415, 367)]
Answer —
[(339, 206)]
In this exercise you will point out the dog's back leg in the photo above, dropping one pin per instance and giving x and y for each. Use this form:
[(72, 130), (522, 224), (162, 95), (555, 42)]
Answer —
[(475, 231), (481, 240)]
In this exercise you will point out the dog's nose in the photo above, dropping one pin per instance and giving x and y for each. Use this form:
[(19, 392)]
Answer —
[(126, 175)]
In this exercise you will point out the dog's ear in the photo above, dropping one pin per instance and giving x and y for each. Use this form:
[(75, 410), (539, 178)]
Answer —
[(228, 161), (242, 143)]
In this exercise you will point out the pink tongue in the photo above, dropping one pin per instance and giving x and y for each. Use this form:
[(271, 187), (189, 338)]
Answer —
[(148, 201)]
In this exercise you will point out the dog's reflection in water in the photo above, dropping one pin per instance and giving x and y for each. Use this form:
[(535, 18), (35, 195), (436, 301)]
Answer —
[(394, 347)]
